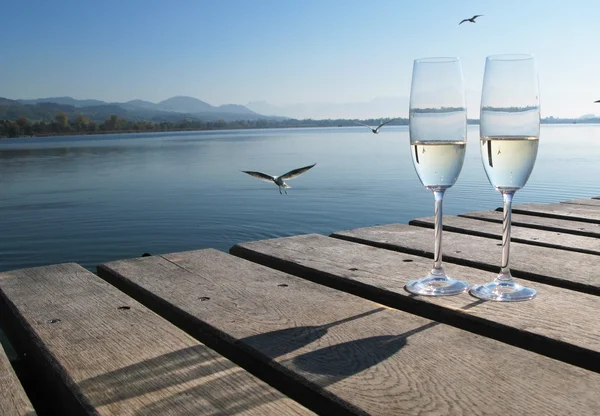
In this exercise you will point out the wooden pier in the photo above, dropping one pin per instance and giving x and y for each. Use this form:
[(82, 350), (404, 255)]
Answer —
[(316, 324)]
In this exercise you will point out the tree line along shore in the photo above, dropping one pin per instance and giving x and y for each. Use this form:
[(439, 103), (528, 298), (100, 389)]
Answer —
[(61, 125)]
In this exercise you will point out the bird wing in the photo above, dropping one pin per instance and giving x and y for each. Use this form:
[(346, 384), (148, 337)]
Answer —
[(464, 20), (296, 172), (259, 175), (597, 101), (383, 124), (476, 16), (362, 124)]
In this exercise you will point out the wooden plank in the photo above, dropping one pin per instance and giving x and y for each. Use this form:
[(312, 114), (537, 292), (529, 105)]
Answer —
[(558, 210), (584, 201), (523, 235), (103, 353), (13, 400), (541, 223), (544, 325), (575, 271), (366, 358)]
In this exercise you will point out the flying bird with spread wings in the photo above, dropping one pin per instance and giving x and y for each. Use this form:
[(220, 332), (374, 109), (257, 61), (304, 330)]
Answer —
[(472, 19), (376, 129), (280, 180)]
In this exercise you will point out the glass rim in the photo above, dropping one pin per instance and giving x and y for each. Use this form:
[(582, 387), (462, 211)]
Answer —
[(510, 57), (437, 60)]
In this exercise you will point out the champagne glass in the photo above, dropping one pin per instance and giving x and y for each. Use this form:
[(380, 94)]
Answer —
[(438, 140), (509, 131)]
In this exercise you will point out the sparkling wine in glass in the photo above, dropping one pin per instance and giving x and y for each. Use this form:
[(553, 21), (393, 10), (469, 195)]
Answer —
[(509, 131), (438, 141)]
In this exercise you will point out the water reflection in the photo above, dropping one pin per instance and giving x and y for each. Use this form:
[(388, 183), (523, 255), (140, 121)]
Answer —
[(95, 199)]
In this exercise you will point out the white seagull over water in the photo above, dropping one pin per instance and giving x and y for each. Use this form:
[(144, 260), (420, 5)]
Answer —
[(280, 180), (376, 129)]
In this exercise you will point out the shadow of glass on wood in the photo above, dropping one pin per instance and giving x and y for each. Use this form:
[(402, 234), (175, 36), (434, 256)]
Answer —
[(336, 362), (284, 341)]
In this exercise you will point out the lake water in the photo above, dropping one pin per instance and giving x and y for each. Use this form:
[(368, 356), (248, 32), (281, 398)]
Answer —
[(95, 199)]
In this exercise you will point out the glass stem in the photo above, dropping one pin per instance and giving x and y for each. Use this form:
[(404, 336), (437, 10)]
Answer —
[(505, 275), (437, 256)]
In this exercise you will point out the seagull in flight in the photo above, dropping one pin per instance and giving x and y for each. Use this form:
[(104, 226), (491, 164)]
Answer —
[(597, 101), (280, 180), (472, 19), (376, 129)]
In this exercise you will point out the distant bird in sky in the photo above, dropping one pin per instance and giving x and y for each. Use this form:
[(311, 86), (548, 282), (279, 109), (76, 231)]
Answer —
[(376, 129), (597, 101), (472, 19), (280, 180)]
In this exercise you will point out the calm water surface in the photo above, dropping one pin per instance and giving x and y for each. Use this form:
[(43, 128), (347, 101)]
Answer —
[(95, 199)]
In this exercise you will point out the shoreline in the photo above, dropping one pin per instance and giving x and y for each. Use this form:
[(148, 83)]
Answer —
[(107, 132)]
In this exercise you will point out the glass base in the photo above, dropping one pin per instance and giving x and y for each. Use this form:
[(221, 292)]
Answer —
[(437, 286), (503, 291)]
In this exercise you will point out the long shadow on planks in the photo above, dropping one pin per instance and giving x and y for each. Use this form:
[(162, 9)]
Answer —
[(278, 343), (337, 362)]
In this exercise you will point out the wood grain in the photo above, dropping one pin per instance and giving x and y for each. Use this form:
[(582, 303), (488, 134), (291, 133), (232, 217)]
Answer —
[(542, 238), (547, 325), (367, 358), (13, 400), (584, 201), (582, 213), (566, 226), (575, 271), (103, 353)]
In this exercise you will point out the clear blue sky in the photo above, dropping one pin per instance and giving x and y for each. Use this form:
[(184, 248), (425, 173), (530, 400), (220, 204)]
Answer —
[(289, 51)]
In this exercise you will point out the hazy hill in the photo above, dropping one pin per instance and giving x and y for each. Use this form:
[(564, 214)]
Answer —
[(184, 105), (376, 108), (172, 109), (63, 100), (178, 104)]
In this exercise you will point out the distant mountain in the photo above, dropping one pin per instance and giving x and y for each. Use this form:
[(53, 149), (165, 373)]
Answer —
[(376, 108), (63, 100), (184, 105), (586, 116), (234, 109), (172, 109), (133, 104)]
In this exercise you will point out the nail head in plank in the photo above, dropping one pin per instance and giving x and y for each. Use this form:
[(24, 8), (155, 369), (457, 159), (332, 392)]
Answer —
[(115, 356), (13, 400), (553, 239), (576, 271), (567, 226), (548, 325), (376, 359)]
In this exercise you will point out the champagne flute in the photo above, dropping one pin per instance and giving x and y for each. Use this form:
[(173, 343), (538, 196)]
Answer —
[(509, 131), (438, 140)]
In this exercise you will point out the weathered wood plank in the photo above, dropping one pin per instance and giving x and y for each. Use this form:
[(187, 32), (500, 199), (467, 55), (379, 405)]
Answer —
[(366, 358), (545, 325), (541, 223), (575, 271), (565, 211), (13, 400), (103, 353), (523, 235), (584, 201)]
